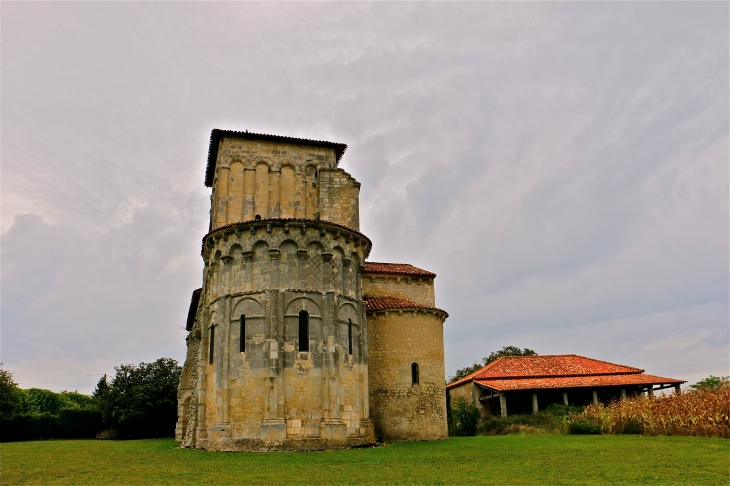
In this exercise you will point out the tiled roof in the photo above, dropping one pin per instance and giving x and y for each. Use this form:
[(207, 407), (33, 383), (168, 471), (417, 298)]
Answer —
[(216, 134), (391, 303), (550, 365), (396, 269), (576, 382), (554, 371)]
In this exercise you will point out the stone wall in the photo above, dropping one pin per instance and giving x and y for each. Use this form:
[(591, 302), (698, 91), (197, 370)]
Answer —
[(339, 199), (416, 289), (260, 390), (400, 409), (281, 180)]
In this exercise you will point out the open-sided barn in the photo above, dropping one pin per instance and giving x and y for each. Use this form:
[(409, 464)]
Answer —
[(524, 384)]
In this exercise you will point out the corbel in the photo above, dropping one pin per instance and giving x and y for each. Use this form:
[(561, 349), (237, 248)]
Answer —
[(327, 257), (302, 254), (227, 259)]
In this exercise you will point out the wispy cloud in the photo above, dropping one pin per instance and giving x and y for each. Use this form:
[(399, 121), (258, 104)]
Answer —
[(563, 167)]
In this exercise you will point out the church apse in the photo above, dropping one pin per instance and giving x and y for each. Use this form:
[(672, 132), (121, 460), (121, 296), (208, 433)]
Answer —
[(278, 343)]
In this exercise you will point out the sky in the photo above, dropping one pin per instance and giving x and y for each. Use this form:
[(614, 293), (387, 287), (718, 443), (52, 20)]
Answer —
[(561, 166)]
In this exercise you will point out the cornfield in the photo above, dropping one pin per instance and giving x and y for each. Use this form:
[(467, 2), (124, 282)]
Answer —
[(699, 413)]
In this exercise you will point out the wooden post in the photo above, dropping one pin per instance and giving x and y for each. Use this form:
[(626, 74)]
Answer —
[(650, 391), (534, 403), (595, 397), (565, 398), (623, 393), (503, 404), (677, 390)]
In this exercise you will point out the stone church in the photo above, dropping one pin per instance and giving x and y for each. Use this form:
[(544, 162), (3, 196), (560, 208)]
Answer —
[(296, 341)]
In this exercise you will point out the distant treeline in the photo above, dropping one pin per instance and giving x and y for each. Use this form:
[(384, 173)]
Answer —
[(138, 402)]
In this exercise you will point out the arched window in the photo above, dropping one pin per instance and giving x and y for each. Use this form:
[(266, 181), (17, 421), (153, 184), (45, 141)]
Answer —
[(210, 347), (349, 336), (414, 374), (303, 331), (242, 343)]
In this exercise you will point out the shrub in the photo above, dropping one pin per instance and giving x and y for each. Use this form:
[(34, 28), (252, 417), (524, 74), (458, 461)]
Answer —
[(30, 426), (69, 423), (584, 426), (700, 413), (465, 417), (79, 422), (551, 420), (36, 413)]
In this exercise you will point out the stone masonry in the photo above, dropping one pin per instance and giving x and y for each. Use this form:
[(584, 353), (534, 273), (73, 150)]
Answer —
[(284, 350)]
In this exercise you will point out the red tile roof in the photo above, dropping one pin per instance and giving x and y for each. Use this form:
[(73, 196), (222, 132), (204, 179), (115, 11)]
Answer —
[(392, 303), (576, 382), (557, 371), (397, 269), (216, 135)]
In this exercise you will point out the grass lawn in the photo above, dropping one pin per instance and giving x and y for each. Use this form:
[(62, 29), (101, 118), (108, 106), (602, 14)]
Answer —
[(516, 459)]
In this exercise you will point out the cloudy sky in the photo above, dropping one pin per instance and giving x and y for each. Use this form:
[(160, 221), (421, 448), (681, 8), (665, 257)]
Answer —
[(562, 167)]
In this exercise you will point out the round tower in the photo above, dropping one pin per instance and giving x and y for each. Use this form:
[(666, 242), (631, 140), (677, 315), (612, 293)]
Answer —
[(406, 353)]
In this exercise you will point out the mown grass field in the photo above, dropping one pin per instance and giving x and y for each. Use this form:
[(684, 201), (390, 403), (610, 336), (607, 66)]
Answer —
[(520, 459)]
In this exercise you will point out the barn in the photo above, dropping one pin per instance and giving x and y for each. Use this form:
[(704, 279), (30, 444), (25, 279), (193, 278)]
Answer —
[(523, 384)]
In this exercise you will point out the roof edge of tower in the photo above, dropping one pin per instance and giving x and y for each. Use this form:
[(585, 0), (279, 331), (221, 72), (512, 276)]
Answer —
[(216, 135)]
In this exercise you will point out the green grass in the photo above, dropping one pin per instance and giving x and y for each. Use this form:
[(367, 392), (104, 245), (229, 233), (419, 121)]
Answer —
[(519, 459)]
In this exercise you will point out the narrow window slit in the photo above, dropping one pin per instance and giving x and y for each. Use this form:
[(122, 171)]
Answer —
[(303, 331), (349, 336), (211, 344), (414, 374), (243, 334)]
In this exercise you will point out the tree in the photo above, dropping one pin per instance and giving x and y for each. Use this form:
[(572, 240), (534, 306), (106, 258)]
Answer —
[(10, 395), (711, 383), (505, 351), (141, 401), (101, 387)]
